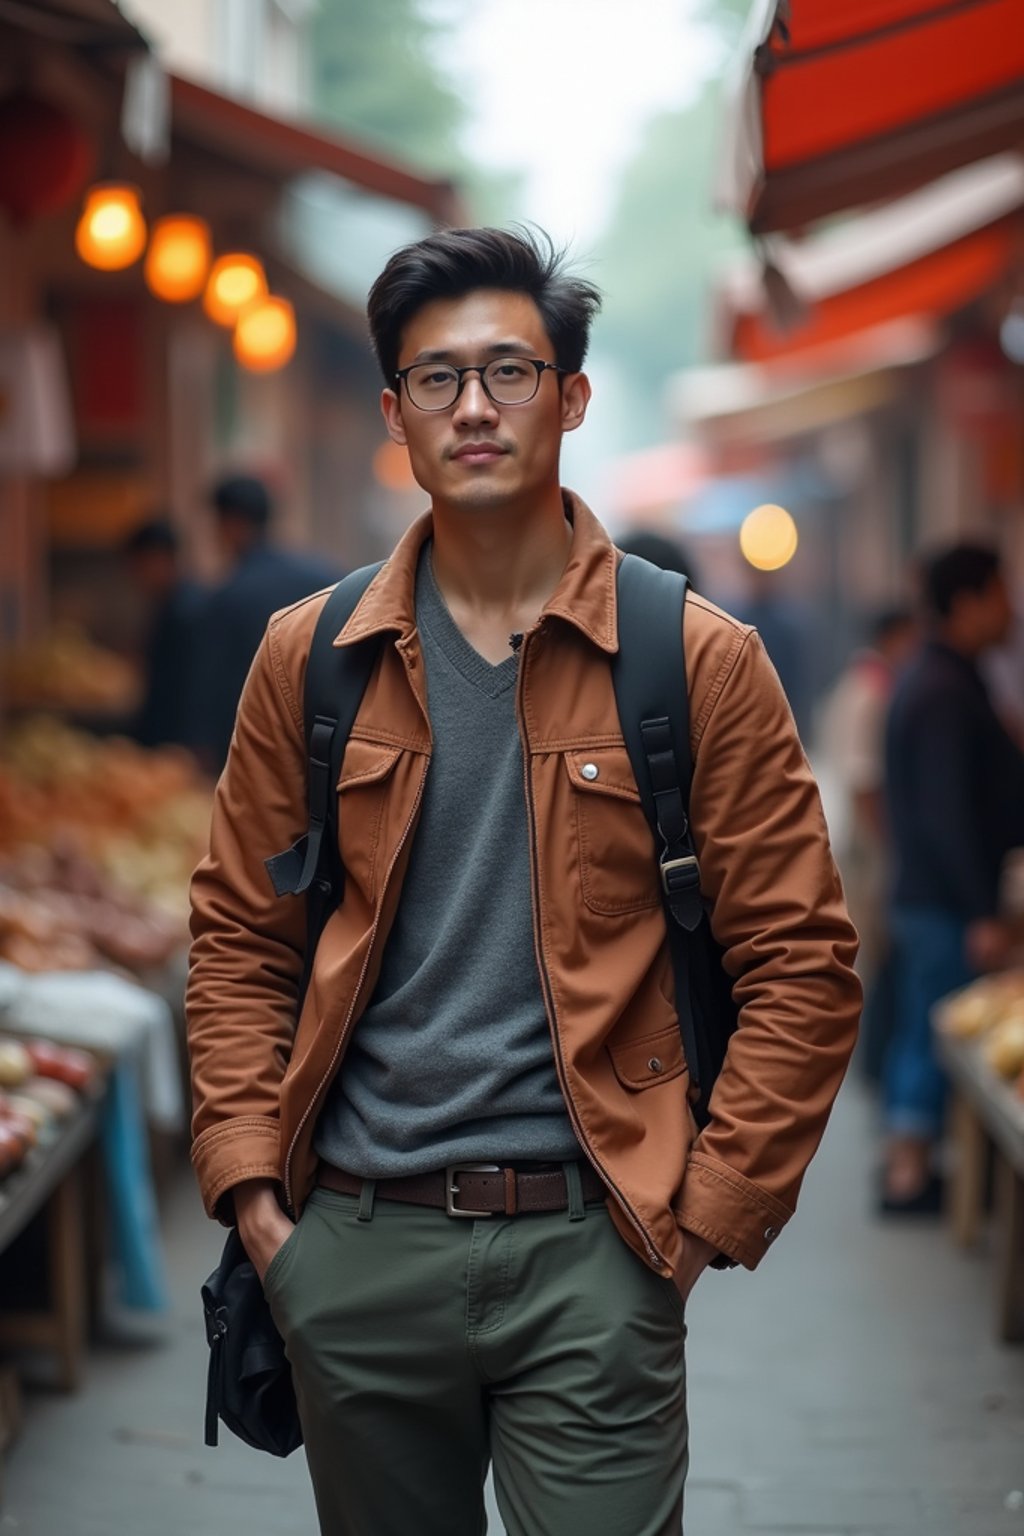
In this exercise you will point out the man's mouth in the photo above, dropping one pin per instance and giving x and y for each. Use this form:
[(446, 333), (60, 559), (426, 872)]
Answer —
[(479, 453)]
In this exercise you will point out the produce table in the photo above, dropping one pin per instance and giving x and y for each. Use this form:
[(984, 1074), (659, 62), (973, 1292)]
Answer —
[(988, 1113), (59, 1180)]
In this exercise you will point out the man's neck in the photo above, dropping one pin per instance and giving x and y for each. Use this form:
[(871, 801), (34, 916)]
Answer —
[(497, 568)]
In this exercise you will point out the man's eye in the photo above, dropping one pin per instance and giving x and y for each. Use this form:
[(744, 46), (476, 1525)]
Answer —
[(439, 378), (509, 369)]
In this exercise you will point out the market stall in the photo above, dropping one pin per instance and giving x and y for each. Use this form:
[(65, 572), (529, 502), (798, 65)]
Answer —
[(98, 837), (980, 1037)]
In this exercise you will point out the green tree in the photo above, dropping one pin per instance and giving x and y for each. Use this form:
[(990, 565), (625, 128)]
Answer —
[(663, 244), (374, 75)]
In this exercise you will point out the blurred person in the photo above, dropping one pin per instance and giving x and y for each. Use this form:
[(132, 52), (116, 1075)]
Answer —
[(152, 556), (955, 793), (262, 578), (851, 740), (784, 631), (494, 988), (667, 553)]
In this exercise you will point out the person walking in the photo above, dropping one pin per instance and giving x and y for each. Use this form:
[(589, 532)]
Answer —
[(152, 557), (851, 743), (955, 792), (469, 1177), (261, 578)]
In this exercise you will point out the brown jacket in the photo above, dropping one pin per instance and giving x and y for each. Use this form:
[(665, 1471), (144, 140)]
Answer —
[(767, 873)]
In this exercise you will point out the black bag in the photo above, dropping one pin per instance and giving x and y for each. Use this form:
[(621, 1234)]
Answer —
[(249, 1385)]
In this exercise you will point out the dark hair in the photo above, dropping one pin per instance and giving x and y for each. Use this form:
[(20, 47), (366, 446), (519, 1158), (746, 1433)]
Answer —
[(950, 572), (887, 622), (244, 497), (454, 262), (157, 533), (662, 551)]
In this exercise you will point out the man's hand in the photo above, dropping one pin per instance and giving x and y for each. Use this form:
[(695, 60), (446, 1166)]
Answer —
[(262, 1225), (696, 1256)]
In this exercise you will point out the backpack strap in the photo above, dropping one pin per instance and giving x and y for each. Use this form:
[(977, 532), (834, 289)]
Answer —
[(336, 679), (649, 676)]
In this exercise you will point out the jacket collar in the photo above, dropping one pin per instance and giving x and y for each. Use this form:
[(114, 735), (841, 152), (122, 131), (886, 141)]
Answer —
[(585, 596)]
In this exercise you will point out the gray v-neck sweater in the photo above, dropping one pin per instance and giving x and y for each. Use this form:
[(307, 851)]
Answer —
[(452, 1058)]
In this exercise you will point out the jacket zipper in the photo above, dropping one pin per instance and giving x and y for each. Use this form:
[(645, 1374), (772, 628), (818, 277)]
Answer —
[(549, 1002), (355, 995)]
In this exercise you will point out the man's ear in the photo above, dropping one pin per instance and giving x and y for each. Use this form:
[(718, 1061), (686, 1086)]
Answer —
[(576, 394), (391, 410)]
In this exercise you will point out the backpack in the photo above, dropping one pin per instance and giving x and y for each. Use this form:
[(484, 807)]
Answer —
[(649, 677)]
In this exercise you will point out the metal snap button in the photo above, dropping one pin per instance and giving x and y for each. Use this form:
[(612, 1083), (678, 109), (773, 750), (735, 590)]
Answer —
[(655, 1064), (590, 771), (770, 1234)]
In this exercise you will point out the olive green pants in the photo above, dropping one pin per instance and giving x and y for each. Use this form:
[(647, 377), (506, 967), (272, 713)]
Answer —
[(423, 1346)]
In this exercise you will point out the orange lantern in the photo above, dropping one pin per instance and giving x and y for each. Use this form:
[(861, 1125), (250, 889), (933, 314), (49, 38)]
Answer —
[(235, 281), (111, 232), (265, 335), (178, 258)]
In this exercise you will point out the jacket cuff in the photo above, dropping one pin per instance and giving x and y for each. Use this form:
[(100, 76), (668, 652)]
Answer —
[(729, 1211), (228, 1154)]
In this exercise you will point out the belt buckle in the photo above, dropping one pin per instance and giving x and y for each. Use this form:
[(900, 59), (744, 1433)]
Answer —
[(451, 1189)]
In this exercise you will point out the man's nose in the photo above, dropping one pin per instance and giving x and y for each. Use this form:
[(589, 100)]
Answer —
[(474, 403)]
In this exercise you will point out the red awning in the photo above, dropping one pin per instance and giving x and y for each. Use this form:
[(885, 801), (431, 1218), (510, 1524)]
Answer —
[(282, 149), (929, 254), (845, 102)]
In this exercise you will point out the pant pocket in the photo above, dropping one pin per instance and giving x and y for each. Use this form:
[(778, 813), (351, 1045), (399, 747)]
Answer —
[(281, 1257)]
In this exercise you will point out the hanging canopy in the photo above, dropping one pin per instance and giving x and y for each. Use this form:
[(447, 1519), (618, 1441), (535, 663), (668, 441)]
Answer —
[(844, 102), (928, 254)]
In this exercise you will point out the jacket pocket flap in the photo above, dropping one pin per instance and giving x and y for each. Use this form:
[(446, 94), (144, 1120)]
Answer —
[(602, 771), (366, 762), (652, 1059)]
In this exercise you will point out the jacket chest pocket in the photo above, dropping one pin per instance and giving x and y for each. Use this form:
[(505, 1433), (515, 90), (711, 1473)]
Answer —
[(618, 867), (364, 789)]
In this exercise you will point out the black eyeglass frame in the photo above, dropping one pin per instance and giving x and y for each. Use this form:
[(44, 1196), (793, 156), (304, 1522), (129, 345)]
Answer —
[(401, 376)]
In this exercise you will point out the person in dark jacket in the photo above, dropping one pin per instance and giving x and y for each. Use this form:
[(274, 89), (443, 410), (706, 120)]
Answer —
[(262, 579), (152, 556), (955, 791)]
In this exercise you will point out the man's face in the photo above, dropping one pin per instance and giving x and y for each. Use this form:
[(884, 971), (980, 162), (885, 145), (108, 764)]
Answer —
[(476, 454), (986, 616)]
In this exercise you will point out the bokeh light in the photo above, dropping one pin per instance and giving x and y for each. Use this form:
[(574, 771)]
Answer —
[(768, 537)]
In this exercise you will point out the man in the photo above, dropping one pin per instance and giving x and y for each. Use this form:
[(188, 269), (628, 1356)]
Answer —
[(152, 557), (262, 577), (496, 987), (955, 784)]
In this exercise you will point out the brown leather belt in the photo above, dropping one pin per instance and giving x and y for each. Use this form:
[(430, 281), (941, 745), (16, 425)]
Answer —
[(474, 1189)]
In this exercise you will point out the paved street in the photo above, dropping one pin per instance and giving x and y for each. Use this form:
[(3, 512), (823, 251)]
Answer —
[(851, 1388)]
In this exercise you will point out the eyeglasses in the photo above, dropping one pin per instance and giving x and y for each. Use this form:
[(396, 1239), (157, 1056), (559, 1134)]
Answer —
[(506, 381)]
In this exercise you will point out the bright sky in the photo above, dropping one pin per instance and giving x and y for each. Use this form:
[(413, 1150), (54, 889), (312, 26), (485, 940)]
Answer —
[(562, 89)]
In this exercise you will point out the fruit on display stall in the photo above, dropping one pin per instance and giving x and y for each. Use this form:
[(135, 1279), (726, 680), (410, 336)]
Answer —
[(98, 840), (990, 1012), (69, 671), (41, 1084)]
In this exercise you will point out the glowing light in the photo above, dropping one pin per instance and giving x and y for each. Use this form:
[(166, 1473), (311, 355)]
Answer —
[(235, 281), (178, 258), (111, 232), (265, 335), (768, 537)]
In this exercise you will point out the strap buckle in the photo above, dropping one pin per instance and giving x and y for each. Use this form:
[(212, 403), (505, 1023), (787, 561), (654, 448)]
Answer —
[(680, 876), (451, 1188)]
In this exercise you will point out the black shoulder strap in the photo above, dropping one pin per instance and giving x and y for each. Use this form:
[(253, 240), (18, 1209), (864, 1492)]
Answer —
[(336, 679), (649, 674)]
